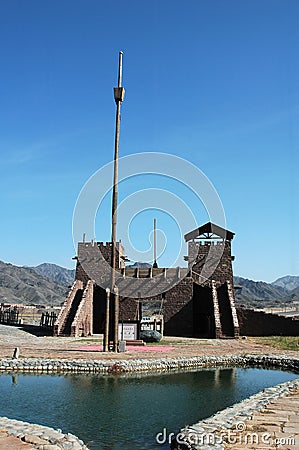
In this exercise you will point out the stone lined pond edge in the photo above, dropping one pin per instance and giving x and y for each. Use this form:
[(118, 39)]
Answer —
[(227, 418), (198, 435), (41, 437), (45, 365)]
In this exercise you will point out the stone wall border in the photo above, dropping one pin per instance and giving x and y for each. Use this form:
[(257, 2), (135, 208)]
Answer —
[(230, 418), (41, 437), (221, 420), (61, 366)]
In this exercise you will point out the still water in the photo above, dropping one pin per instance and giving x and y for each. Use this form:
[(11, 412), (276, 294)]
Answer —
[(116, 412)]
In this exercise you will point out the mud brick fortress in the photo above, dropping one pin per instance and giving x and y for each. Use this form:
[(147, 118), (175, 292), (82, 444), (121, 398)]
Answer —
[(197, 301)]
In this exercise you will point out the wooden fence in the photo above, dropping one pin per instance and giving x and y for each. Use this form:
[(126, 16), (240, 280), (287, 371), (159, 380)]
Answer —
[(47, 320), (9, 316)]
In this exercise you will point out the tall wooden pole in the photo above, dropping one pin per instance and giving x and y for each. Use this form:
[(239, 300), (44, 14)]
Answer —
[(106, 331), (119, 94), (155, 265)]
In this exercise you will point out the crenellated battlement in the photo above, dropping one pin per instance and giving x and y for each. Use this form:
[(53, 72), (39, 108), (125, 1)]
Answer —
[(92, 247)]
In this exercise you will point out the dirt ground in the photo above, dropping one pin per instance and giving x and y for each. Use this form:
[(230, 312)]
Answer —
[(32, 346)]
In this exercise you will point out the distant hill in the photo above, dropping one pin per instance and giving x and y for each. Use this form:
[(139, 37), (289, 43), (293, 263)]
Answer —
[(24, 285), (261, 294), (59, 274), (288, 282), (294, 295), (141, 265)]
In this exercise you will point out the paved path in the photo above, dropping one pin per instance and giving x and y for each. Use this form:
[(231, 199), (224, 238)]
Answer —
[(32, 346), (13, 443), (274, 427)]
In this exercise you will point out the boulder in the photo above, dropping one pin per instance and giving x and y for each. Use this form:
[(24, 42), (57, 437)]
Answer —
[(150, 336)]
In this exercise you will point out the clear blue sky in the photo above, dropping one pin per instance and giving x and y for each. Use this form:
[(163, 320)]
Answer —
[(214, 82)]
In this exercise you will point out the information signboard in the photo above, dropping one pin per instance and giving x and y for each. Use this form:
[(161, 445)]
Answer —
[(127, 331)]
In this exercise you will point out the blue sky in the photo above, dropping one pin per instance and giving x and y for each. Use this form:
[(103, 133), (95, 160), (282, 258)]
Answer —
[(213, 82)]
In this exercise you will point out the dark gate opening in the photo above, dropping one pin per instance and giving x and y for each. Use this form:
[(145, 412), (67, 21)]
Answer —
[(99, 308), (203, 312), (226, 317)]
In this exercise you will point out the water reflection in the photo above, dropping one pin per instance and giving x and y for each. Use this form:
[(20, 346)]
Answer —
[(14, 379), (112, 412)]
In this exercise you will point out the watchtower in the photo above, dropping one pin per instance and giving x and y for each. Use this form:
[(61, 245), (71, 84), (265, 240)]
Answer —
[(210, 263)]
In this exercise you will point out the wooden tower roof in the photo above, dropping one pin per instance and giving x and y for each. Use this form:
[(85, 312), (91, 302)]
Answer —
[(209, 231)]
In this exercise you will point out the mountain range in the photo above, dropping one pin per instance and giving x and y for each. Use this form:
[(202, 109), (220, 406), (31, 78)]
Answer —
[(59, 274), (25, 285), (261, 294), (288, 282), (47, 284)]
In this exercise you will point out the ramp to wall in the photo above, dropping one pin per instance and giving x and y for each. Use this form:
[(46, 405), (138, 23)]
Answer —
[(66, 329), (80, 319), (231, 296), (227, 326), (218, 327), (68, 311), (226, 319)]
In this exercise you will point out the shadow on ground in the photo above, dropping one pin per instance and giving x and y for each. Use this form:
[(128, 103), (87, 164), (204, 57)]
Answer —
[(35, 330)]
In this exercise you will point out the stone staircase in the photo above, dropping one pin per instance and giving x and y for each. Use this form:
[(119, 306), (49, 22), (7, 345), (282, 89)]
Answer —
[(67, 324), (226, 319), (68, 310)]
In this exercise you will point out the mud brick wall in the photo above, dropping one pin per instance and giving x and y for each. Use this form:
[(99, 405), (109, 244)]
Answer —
[(93, 256), (128, 308), (81, 274), (257, 323), (199, 251), (177, 308)]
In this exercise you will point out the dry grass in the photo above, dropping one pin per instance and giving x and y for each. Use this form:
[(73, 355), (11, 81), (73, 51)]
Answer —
[(281, 342)]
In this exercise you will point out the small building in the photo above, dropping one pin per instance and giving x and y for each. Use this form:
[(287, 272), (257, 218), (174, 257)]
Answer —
[(195, 301)]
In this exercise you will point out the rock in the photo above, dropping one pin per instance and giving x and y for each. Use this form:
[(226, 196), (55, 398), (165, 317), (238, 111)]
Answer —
[(150, 336), (51, 447), (32, 439), (16, 353)]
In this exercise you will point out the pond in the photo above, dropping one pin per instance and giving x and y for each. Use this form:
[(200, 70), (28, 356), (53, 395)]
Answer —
[(127, 412)]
